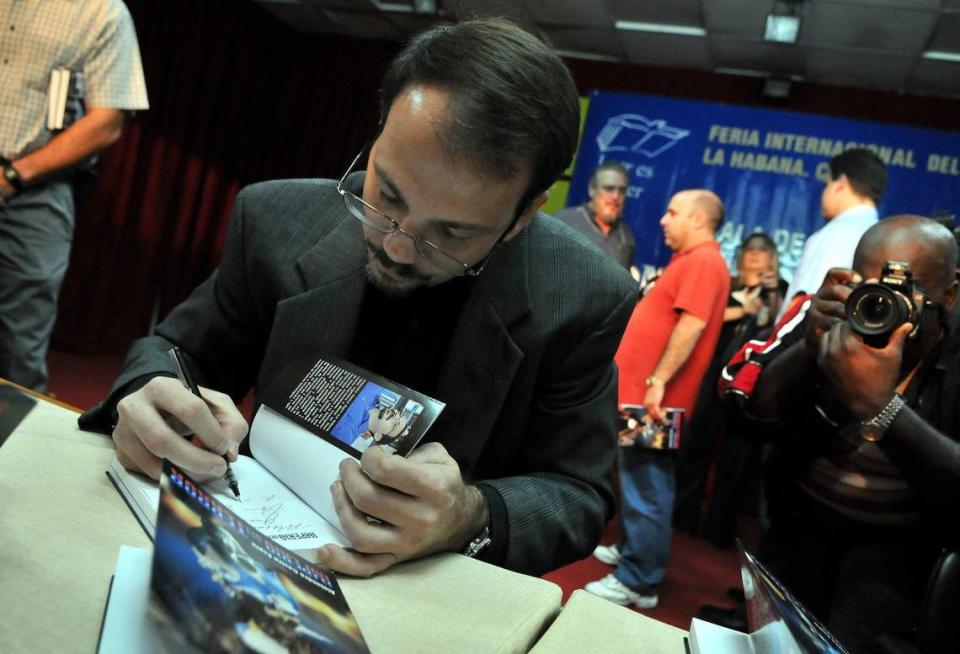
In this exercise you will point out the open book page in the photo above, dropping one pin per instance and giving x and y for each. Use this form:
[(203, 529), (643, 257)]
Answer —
[(265, 503), (709, 638), (309, 465), (314, 415)]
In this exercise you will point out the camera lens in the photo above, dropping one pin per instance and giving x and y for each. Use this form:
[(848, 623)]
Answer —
[(875, 309)]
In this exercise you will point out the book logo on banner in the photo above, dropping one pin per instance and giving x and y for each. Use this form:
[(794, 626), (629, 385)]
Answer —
[(639, 134), (636, 134)]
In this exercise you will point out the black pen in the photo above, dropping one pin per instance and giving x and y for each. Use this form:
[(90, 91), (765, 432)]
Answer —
[(183, 372)]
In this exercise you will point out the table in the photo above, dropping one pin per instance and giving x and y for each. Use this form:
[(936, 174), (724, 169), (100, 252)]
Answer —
[(62, 523)]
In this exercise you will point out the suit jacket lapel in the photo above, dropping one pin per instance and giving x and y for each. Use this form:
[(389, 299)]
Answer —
[(321, 319), (484, 356)]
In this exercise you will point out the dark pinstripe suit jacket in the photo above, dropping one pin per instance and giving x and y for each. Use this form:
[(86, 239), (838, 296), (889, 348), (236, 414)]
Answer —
[(529, 379)]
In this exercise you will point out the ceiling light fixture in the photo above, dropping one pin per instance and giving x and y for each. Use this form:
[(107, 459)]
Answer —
[(588, 56), (940, 55), (659, 28), (783, 23), (776, 88), (407, 6), (424, 6)]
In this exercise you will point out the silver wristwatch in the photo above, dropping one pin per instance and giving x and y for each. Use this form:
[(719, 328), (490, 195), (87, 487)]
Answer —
[(874, 429), (479, 543)]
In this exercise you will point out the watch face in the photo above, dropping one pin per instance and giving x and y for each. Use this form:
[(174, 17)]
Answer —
[(871, 433)]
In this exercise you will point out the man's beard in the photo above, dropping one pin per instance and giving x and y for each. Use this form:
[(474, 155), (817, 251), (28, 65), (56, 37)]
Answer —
[(387, 285)]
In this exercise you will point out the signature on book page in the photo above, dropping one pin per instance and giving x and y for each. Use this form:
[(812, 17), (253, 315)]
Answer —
[(264, 513)]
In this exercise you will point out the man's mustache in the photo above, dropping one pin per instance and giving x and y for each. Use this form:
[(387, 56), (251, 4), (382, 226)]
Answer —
[(400, 269)]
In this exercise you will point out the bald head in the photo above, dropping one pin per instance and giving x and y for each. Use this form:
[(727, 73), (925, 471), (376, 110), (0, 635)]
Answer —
[(925, 244), (710, 204), (692, 217)]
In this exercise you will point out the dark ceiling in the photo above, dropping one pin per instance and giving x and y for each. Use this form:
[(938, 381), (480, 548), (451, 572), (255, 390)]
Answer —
[(892, 45)]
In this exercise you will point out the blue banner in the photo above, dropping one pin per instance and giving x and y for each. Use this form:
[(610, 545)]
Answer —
[(767, 166)]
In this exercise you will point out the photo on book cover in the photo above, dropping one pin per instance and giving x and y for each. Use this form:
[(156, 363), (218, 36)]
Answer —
[(637, 428), (350, 407), (378, 416), (221, 586)]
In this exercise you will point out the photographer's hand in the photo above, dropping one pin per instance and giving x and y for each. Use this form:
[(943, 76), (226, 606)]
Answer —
[(829, 305), (864, 378)]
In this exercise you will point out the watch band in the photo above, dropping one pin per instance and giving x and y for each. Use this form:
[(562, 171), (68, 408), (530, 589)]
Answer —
[(655, 381), (874, 429), (12, 175), (479, 543)]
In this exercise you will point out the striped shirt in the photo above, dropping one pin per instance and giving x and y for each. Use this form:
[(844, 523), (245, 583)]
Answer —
[(94, 38)]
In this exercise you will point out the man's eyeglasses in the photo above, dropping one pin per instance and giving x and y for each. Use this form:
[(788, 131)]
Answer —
[(610, 189), (375, 219)]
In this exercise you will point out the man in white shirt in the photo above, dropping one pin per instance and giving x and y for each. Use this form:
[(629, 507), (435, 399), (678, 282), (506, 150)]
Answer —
[(96, 42), (849, 202)]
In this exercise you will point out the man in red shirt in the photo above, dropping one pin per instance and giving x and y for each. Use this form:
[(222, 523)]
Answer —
[(663, 356)]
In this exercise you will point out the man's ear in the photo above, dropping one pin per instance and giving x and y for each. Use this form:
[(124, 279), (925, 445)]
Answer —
[(842, 182), (527, 215), (700, 219), (950, 297)]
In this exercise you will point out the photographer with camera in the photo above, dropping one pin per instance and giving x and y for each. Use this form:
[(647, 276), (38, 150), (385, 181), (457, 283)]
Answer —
[(858, 388)]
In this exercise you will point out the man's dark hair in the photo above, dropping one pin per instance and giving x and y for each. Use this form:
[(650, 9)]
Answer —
[(609, 164), (865, 170), (513, 102)]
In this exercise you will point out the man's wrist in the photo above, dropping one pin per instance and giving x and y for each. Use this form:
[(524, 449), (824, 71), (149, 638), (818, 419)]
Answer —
[(875, 428), (478, 525), (653, 380), (11, 177)]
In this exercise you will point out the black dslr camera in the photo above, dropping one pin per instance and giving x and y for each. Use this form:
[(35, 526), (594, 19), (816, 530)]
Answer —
[(876, 309)]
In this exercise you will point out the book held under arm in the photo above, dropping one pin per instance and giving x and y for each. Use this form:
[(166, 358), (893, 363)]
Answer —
[(57, 95), (315, 414)]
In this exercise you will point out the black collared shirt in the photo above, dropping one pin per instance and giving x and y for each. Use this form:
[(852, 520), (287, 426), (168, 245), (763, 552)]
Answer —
[(405, 339)]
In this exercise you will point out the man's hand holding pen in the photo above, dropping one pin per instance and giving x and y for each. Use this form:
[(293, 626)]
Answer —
[(152, 420)]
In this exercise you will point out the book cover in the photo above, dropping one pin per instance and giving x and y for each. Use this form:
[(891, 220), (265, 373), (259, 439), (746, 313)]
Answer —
[(222, 586), (638, 429), (351, 408)]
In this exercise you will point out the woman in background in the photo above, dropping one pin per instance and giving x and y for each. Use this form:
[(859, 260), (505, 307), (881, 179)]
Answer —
[(756, 292)]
